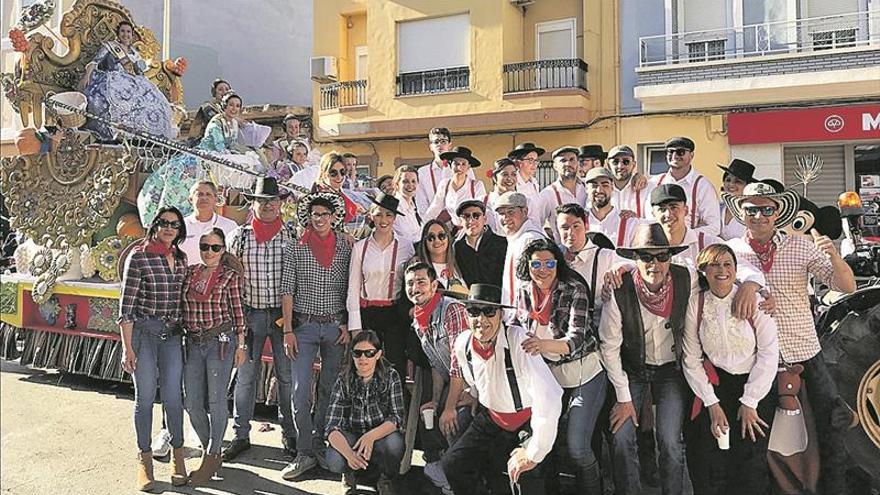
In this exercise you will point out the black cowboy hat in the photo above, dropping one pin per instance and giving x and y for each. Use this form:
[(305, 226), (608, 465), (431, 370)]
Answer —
[(523, 149), (266, 187), (484, 295), (461, 152), (388, 202), (649, 236), (740, 169), (594, 151)]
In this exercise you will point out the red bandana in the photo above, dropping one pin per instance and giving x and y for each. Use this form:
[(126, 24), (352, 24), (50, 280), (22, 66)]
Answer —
[(322, 249), (265, 231), (422, 314), (200, 288), (659, 303), (541, 306), (766, 253), (483, 352), (155, 247)]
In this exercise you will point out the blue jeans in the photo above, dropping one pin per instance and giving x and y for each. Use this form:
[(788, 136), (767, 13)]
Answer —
[(585, 403), (671, 394), (206, 378), (311, 338), (261, 323), (385, 459), (159, 362)]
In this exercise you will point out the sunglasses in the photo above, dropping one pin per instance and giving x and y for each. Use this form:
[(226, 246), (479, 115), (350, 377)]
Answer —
[(266, 201), (162, 224), (440, 141), (204, 247), (469, 216), (625, 161), (359, 353), (537, 264), (488, 311), (648, 257), (763, 210), (436, 237), (677, 151), (336, 172)]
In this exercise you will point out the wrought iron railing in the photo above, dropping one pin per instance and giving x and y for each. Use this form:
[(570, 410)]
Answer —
[(433, 81), (796, 36), (344, 94), (539, 75)]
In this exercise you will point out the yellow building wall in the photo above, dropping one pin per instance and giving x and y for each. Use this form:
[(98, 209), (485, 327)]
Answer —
[(355, 36), (551, 11)]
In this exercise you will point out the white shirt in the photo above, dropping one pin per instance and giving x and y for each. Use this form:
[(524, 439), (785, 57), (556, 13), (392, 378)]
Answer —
[(194, 231), (447, 197), (733, 345), (611, 226), (491, 217), (430, 176), (543, 208), (369, 276), (732, 229), (658, 339), (629, 199), (706, 217), (583, 264), (538, 388), (529, 189), (407, 227), (516, 243)]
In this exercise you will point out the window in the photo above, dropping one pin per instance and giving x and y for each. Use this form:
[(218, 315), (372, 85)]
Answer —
[(433, 55), (555, 39), (704, 51), (360, 62), (653, 158)]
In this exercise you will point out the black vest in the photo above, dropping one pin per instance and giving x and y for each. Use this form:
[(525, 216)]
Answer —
[(632, 351)]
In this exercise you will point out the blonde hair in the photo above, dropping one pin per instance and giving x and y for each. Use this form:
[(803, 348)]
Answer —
[(327, 162)]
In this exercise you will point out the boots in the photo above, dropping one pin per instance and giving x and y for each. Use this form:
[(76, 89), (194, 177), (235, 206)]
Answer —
[(178, 467), (210, 465), (145, 471)]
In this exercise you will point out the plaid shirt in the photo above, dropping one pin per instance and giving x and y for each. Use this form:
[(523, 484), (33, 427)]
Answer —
[(358, 407), (149, 288), (455, 321), (569, 320), (795, 260), (317, 291), (223, 305), (263, 265)]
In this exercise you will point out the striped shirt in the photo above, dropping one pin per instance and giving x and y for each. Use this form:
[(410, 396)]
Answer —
[(263, 265), (150, 289)]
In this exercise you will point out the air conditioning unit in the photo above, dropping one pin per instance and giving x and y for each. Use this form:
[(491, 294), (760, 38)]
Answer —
[(323, 69)]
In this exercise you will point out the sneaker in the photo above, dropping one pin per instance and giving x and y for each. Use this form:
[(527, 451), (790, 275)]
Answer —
[(235, 448), (300, 465), (161, 445), (434, 473)]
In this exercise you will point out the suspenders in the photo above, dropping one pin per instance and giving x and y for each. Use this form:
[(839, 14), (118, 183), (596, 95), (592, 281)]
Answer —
[(508, 368), (693, 198), (390, 275)]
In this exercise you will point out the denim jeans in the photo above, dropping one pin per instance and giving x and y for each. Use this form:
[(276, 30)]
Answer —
[(159, 362), (385, 459), (671, 395), (584, 404), (206, 380), (310, 339), (261, 324)]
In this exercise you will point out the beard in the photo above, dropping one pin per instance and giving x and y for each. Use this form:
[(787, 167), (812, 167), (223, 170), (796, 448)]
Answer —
[(600, 203)]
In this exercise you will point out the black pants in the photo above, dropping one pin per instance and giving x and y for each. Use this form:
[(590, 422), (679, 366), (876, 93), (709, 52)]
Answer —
[(391, 327), (825, 400), (481, 454)]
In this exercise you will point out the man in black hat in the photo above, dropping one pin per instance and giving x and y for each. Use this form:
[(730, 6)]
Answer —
[(701, 196), (260, 246), (525, 156), (479, 253), (521, 400), (565, 189), (643, 348), (590, 156), (431, 174)]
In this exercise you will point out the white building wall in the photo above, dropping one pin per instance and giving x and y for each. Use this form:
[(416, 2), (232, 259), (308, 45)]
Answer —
[(767, 158)]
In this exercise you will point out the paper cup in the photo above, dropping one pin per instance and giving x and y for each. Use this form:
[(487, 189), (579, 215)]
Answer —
[(724, 439), (428, 418)]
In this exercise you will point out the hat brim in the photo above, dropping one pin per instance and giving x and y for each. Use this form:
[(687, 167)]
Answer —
[(304, 206), (280, 195), (596, 156), (747, 180), (469, 203), (565, 150), (788, 202), (392, 210), (517, 154), (630, 252), (480, 302), (449, 155)]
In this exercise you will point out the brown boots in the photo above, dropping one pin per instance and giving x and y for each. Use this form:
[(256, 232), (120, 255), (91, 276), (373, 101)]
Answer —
[(145, 471), (178, 467), (210, 465)]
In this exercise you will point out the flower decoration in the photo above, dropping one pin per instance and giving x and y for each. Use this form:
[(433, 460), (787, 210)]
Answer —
[(177, 66), (102, 314), (106, 256), (489, 174), (19, 41), (87, 262), (50, 310), (9, 298)]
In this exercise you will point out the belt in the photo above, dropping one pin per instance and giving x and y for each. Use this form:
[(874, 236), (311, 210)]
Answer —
[(376, 303), (656, 367), (210, 333), (302, 318)]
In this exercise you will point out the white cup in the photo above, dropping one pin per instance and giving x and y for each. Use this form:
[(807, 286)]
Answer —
[(428, 418), (724, 439)]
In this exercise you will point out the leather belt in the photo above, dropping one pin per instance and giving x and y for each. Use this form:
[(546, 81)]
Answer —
[(302, 318), (376, 303)]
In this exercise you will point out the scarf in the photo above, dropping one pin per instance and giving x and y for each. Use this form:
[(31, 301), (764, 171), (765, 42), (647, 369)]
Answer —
[(156, 247), (322, 249), (200, 288), (422, 314), (541, 306), (265, 231), (660, 302), (482, 352), (766, 253)]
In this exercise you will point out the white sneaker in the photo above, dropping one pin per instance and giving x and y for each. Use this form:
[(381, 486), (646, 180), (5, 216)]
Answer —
[(434, 473), (161, 445), (298, 467)]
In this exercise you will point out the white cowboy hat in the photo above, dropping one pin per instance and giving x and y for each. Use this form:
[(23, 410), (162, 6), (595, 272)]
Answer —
[(787, 201)]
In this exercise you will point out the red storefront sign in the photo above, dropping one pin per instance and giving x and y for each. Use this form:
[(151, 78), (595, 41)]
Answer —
[(809, 124)]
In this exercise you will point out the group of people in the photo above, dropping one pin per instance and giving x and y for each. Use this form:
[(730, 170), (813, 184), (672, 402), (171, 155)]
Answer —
[(545, 322)]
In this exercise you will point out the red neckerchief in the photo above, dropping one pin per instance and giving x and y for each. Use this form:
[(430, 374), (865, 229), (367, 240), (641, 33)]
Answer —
[(156, 247), (766, 253), (322, 249), (481, 351), (422, 314), (541, 306), (265, 231), (200, 289), (659, 303)]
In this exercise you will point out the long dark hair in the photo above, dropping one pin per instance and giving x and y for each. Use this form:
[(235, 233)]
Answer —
[(425, 256), (383, 367), (228, 260), (181, 232), (563, 272)]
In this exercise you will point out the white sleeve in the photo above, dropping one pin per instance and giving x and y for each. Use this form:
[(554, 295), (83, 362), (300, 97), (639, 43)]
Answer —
[(693, 356), (610, 341), (709, 216), (423, 199), (766, 361), (438, 203), (355, 280), (536, 210)]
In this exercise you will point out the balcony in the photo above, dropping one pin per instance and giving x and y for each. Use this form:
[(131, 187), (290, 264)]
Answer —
[(433, 81), (544, 75), (344, 94)]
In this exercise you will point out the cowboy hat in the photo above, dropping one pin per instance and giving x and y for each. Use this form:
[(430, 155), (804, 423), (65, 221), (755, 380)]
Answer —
[(740, 169), (787, 201), (591, 151), (484, 295), (265, 187), (304, 208), (524, 149), (388, 202), (461, 152), (649, 236)]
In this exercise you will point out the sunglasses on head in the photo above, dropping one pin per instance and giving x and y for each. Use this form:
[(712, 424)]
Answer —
[(336, 172), (625, 161), (677, 151), (203, 247), (649, 257), (488, 311), (162, 223), (763, 210), (537, 264), (469, 216), (436, 237), (370, 353)]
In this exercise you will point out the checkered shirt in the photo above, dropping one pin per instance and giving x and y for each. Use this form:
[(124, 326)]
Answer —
[(263, 265), (223, 305), (796, 259), (569, 319), (316, 290), (358, 407), (149, 288)]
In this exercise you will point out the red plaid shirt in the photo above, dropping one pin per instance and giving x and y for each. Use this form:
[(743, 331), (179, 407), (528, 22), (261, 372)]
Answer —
[(149, 288), (221, 306)]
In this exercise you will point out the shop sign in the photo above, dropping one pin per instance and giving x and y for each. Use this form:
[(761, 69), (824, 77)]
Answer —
[(809, 124)]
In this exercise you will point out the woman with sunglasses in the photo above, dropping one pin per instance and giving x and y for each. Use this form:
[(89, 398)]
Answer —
[(152, 352), (552, 305), (435, 248), (331, 178), (730, 364), (215, 326), (365, 418)]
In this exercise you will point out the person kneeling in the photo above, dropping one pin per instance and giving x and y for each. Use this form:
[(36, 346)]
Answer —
[(365, 418)]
